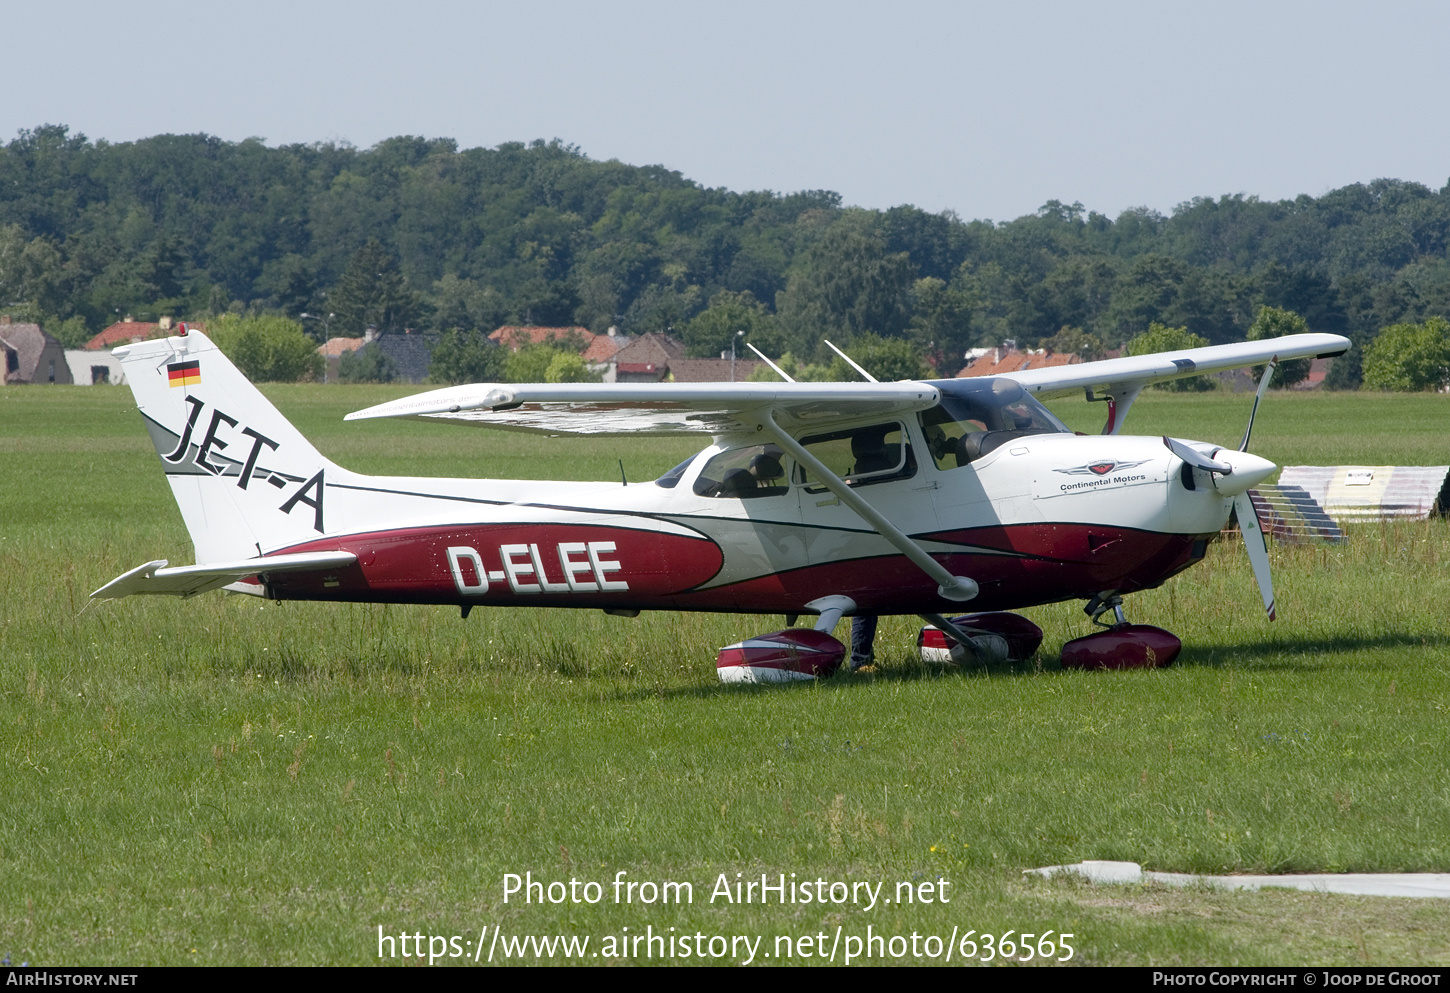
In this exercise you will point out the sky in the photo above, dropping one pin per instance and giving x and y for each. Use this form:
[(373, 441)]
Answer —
[(986, 109)]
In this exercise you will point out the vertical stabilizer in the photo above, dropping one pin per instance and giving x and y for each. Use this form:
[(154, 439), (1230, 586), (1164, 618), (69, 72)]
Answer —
[(245, 479)]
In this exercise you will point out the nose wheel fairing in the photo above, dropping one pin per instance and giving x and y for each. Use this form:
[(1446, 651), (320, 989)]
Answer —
[(1123, 646)]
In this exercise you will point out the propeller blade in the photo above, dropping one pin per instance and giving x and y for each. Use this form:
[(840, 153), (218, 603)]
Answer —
[(1254, 544), (1196, 458), (1258, 397)]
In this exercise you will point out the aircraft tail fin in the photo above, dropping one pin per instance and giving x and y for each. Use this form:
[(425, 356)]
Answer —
[(246, 480)]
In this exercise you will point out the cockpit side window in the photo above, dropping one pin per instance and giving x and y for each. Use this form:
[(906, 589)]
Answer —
[(860, 456), (974, 419), (744, 474)]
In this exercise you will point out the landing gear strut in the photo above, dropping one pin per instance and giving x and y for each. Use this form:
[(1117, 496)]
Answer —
[(1101, 604)]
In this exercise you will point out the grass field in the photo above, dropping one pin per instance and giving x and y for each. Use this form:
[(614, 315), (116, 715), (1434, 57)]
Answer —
[(226, 781)]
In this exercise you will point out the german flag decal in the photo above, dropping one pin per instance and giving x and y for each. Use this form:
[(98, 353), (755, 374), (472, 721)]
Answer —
[(184, 373)]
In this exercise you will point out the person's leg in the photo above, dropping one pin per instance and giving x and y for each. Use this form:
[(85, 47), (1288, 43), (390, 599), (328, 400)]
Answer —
[(863, 640)]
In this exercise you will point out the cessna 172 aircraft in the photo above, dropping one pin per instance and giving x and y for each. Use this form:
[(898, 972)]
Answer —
[(826, 499)]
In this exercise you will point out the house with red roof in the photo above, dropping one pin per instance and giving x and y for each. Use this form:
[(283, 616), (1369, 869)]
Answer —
[(602, 348), (332, 352), (128, 331), (655, 357), (597, 350), (1007, 358), (516, 336)]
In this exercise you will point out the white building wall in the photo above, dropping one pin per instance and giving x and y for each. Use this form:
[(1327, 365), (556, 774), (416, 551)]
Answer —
[(82, 361)]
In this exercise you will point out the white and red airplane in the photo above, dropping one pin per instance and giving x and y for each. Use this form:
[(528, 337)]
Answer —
[(831, 499)]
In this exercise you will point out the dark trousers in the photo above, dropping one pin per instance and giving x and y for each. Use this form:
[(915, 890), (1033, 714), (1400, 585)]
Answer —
[(863, 638)]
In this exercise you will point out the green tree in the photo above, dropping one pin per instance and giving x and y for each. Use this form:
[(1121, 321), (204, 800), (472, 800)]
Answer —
[(530, 364), (267, 349), (372, 292), (467, 357), (804, 372), (847, 284), (290, 284), (32, 273), (1409, 357), (71, 332), (710, 332), (1160, 338), (368, 364), (1346, 372), (1160, 288), (1074, 341), (566, 367), (1275, 322), (941, 320), (465, 305), (890, 360)]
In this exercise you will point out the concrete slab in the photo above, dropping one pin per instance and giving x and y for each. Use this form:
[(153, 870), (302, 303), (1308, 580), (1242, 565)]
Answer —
[(1413, 884)]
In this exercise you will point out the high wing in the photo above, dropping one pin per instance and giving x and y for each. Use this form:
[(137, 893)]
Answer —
[(1119, 381), (1113, 375), (654, 408), (724, 408)]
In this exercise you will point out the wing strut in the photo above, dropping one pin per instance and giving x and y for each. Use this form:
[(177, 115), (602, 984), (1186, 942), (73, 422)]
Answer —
[(948, 586), (1119, 397)]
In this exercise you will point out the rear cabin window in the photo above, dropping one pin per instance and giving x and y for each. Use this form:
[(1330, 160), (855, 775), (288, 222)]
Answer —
[(860, 456), (744, 474)]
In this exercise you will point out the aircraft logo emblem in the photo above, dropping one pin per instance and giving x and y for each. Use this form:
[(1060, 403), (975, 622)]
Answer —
[(1099, 468)]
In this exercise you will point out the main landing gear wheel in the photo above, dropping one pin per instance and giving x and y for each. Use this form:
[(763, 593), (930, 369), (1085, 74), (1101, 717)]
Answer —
[(792, 655), (1121, 645), (996, 637)]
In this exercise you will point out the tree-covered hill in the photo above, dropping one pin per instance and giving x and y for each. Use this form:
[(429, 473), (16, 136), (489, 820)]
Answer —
[(420, 233)]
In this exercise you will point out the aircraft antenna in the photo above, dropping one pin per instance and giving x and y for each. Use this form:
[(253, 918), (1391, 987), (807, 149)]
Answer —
[(622, 479), (778, 370), (869, 378)]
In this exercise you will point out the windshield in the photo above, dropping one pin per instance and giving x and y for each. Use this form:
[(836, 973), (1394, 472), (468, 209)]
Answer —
[(976, 416)]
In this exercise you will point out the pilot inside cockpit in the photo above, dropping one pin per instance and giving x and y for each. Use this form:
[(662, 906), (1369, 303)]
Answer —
[(975, 417)]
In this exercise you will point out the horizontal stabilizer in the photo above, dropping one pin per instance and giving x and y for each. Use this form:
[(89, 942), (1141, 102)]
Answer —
[(189, 580)]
